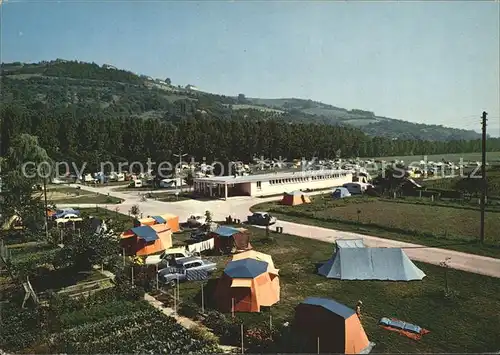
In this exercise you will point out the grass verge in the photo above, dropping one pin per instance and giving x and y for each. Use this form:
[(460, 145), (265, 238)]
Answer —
[(453, 227)]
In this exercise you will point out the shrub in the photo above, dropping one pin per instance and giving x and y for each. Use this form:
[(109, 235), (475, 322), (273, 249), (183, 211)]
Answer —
[(202, 333), (190, 310), (227, 329)]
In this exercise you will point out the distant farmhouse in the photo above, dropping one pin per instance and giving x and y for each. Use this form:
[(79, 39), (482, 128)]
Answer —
[(192, 87), (109, 66)]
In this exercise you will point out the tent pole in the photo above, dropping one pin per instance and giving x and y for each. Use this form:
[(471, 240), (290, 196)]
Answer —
[(202, 300), (232, 307), (157, 281), (318, 345), (242, 347)]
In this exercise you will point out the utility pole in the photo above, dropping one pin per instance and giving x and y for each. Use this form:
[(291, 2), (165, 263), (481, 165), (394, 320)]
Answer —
[(46, 207), (483, 176), (180, 155)]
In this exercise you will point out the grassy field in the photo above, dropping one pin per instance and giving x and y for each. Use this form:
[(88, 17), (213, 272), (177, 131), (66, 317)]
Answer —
[(492, 176), (66, 195), (440, 224), (468, 321), (490, 157), (105, 214)]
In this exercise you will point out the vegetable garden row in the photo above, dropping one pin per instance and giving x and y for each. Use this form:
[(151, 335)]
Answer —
[(111, 321)]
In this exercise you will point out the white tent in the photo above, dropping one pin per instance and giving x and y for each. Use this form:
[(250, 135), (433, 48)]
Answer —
[(353, 261)]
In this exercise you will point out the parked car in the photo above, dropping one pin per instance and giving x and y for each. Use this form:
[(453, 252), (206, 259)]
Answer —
[(178, 271), (168, 256), (70, 217), (261, 219), (196, 220), (64, 212)]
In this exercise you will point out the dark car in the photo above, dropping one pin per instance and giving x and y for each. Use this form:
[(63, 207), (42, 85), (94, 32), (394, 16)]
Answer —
[(261, 219)]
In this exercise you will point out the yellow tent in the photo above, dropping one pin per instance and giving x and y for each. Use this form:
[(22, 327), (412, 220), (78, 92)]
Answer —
[(256, 255), (14, 222)]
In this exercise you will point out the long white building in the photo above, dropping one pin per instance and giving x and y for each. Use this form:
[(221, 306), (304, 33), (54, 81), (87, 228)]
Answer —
[(270, 184)]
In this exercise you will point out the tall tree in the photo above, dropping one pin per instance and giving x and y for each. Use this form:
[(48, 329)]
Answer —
[(20, 171)]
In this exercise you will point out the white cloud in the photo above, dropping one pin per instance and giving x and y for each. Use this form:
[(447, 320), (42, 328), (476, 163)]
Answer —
[(20, 34)]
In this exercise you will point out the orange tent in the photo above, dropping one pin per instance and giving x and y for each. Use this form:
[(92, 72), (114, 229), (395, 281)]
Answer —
[(172, 221), (146, 240), (246, 285), (295, 198), (50, 212), (336, 325)]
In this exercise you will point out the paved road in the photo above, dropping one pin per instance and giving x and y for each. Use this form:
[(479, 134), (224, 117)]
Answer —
[(238, 207)]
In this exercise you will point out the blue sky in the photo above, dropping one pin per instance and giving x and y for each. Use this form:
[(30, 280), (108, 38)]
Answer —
[(432, 62)]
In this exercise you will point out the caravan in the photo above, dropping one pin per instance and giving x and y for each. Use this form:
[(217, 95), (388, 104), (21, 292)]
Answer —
[(357, 188)]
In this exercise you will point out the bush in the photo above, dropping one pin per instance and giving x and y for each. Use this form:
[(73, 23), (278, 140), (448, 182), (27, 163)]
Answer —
[(202, 333), (227, 329), (190, 310)]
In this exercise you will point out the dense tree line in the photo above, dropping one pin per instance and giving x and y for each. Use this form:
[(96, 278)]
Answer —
[(92, 137)]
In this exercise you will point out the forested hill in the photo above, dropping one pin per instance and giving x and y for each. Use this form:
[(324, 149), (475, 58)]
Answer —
[(109, 91), (80, 118)]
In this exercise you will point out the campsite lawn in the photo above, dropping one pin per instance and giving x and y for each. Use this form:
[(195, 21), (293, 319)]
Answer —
[(106, 214), (65, 195), (466, 322), (444, 225)]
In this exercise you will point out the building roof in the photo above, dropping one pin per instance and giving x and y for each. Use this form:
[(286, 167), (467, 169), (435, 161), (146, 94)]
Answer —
[(146, 233), (159, 219), (267, 177), (330, 305), (245, 268), (225, 231)]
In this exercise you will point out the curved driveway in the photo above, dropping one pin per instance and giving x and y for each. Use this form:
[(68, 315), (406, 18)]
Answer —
[(238, 207)]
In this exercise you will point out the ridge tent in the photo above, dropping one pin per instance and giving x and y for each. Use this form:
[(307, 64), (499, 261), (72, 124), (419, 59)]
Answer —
[(357, 262), (340, 192), (246, 285), (295, 198), (336, 325), (225, 238)]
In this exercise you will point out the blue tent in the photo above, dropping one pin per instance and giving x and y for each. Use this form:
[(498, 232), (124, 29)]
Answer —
[(340, 192), (159, 219), (225, 231), (331, 305), (146, 233), (245, 268)]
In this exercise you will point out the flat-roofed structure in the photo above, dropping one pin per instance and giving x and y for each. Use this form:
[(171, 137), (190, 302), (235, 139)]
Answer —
[(270, 184)]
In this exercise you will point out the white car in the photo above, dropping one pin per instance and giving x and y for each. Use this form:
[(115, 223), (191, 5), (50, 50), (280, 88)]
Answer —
[(196, 220), (69, 217), (168, 255)]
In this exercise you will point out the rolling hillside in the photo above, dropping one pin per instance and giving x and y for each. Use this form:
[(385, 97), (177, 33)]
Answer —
[(90, 87)]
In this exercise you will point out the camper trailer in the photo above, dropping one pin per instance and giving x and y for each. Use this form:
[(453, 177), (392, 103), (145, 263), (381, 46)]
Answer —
[(356, 188)]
